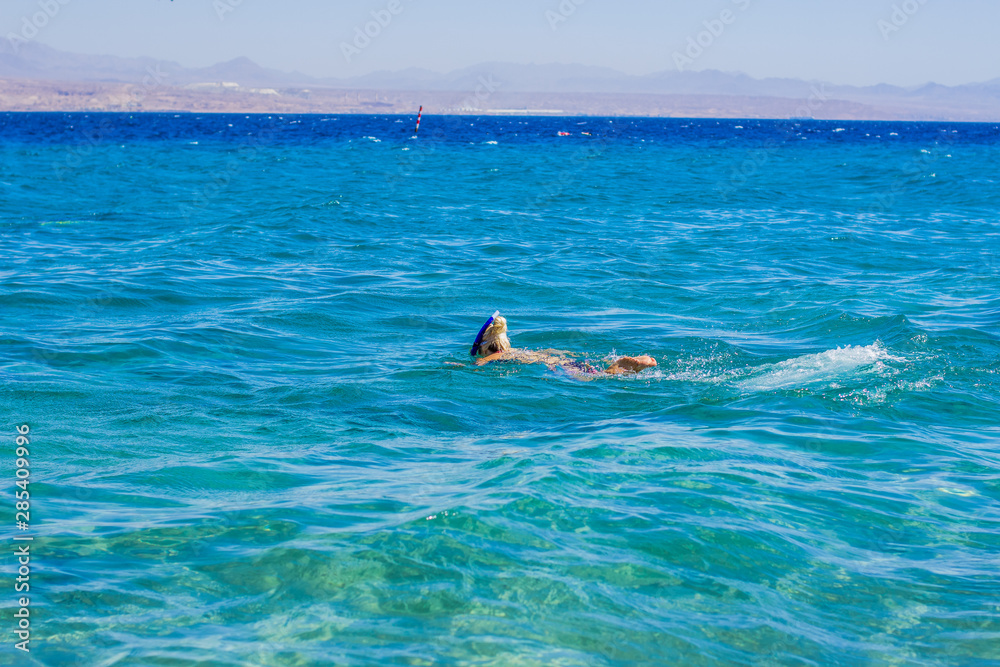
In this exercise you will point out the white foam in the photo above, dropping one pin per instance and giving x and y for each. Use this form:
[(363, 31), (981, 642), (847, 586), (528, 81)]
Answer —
[(828, 367)]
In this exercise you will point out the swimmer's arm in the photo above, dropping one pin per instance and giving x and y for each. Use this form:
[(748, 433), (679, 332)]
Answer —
[(509, 355), (520, 356), (496, 356)]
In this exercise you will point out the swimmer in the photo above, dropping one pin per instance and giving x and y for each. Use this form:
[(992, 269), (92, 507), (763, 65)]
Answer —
[(492, 344)]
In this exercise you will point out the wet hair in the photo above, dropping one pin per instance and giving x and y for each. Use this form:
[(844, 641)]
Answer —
[(495, 338)]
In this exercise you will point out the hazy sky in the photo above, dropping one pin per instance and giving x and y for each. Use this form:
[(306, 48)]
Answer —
[(841, 41)]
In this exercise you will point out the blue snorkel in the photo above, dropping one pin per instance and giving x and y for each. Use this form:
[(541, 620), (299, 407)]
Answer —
[(479, 337)]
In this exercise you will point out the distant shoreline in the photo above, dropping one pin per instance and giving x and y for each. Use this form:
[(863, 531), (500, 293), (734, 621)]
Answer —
[(26, 95), (427, 114)]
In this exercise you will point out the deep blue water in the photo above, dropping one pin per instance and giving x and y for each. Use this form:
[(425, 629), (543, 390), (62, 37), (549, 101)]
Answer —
[(241, 346)]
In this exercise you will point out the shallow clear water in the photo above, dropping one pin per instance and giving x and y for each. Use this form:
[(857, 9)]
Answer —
[(241, 345)]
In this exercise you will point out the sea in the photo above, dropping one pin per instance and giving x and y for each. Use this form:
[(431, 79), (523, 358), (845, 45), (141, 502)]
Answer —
[(236, 351)]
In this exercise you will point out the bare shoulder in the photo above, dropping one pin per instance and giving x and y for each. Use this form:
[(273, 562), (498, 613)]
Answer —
[(547, 357)]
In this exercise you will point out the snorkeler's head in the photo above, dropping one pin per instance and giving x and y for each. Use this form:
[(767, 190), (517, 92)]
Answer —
[(494, 338)]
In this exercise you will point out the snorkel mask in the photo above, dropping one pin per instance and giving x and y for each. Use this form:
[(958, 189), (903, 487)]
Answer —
[(479, 338)]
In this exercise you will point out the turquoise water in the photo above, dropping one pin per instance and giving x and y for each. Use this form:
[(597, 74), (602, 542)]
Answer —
[(241, 346)]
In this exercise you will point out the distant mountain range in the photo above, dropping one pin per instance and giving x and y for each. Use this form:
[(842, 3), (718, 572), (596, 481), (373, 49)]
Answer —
[(35, 61)]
